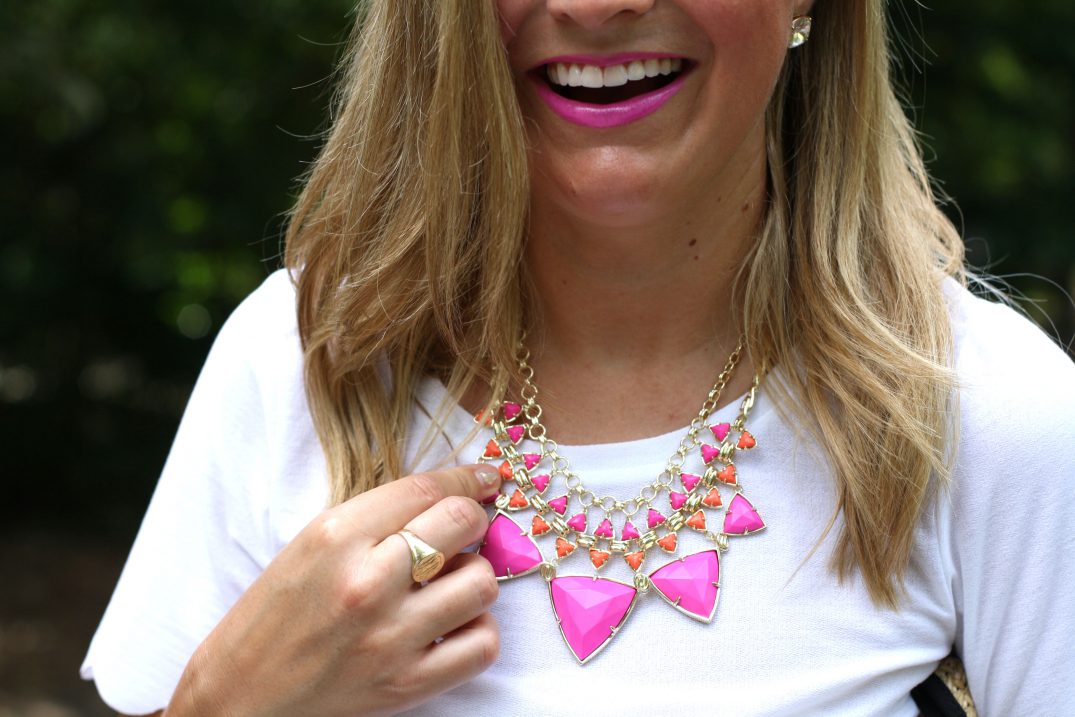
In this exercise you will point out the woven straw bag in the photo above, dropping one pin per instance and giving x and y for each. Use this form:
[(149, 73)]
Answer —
[(945, 692)]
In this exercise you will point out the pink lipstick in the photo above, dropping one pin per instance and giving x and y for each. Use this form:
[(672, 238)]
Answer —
[(592, 98)]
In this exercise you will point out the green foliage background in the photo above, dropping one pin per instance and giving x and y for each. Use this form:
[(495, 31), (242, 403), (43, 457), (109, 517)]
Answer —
[(150, 150)]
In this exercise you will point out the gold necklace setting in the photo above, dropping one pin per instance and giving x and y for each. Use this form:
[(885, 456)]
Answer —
[(591, 609)]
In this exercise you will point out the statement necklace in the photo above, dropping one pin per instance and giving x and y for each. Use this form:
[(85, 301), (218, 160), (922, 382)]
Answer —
[(590, 609)]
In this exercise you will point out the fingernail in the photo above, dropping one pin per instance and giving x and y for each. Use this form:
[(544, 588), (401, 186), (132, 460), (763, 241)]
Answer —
[(487, 476)]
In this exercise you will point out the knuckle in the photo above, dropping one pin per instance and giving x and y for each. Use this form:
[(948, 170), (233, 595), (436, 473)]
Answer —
[(329, 530), (426, 489), (463, 479), (465, 513), (361, 591), (373, 646), (487, 587), (409, 683), (488, 645), (357, 596), (401, 683), (402, 677)]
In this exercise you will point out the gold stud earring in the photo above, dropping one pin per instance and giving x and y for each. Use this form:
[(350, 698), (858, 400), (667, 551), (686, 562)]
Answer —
[(800, 31)]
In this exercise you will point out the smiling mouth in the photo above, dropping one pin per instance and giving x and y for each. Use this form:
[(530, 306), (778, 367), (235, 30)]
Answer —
[(615, 83)]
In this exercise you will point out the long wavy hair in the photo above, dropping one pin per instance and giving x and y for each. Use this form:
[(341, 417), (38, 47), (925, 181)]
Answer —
[(406, 243)]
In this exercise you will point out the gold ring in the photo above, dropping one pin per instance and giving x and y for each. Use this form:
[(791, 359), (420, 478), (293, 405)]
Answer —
[(426, 561)]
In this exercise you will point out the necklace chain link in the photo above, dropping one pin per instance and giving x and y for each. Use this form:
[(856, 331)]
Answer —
[(648, 493), (584, 605)]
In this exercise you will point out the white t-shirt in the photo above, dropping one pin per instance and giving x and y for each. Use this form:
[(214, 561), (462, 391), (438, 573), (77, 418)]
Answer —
[(993, 568)]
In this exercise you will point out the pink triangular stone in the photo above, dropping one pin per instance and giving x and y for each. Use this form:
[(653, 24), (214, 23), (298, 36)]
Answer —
[(604, 530), (720, 431), (676, 499), (511, 410), (508, 548), (689, 481), (559, 504), (691, 583), (540, 482), (515, 433), (531, 460), (741, 518), (577, 522), (654, 518), (590, 611), (629, 532), (709, 453)]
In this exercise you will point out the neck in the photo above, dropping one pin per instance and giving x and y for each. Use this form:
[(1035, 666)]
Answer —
[(643, 292), (635, 321)]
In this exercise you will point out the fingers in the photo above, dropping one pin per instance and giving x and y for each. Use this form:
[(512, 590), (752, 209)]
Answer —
[(461, 656), (449, 526), (454, 599), (390, 507)]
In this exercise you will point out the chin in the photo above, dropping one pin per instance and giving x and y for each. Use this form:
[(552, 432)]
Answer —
[(617, 196)]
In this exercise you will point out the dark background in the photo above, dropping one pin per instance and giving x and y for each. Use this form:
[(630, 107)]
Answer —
[(149, 151)]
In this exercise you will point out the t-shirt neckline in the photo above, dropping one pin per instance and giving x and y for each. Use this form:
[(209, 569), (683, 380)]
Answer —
[(647, 451)]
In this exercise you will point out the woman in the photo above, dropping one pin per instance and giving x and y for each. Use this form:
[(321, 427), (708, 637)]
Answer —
[(619, 202)]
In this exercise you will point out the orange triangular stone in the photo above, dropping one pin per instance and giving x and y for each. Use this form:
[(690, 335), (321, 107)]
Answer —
[(563, 547), (635, 559), (598, 557), (746, 441), (727, 475), (539, 526), (505, 471), (668, 542), (483, 417), (518, 500), (712, 498), (492, 450), (697, 521)]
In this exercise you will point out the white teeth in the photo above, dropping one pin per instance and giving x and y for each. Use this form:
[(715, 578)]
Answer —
[(615, 76), (592, 76), (574, 75)]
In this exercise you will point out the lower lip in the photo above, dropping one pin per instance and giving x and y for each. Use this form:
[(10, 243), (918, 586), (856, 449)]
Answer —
[(615, 114)]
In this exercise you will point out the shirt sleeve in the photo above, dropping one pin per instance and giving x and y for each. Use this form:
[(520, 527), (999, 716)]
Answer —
[(1012, 541), (203, 539)]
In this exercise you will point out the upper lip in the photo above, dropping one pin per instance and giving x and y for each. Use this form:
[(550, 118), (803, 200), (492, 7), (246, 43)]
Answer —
[(619, 58)]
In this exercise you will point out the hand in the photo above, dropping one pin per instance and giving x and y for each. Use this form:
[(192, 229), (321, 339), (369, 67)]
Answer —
[(336, 626)]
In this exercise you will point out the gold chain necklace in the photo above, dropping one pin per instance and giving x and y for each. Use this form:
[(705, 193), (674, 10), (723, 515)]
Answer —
[(590, 610)]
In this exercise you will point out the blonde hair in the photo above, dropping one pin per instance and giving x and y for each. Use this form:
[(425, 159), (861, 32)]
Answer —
[(407, 237)]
